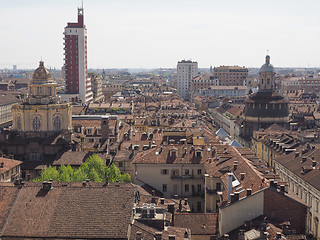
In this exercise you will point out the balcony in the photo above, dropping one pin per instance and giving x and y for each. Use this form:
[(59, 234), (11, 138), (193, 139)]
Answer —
[(212, 191), (187, 176)]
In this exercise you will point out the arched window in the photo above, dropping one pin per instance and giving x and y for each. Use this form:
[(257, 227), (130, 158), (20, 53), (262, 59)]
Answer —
[(36, 123), (19, 123), (57, 123)]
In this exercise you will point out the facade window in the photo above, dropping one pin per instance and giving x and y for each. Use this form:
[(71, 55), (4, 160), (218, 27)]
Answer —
[(198, 206), (164, 188), (199, 171), (186, 172), (186, 187), (19, 123), (120, 164), (164, 171), (36, 123), (49, 91), (39, 90), (57, 123), (199, 187)]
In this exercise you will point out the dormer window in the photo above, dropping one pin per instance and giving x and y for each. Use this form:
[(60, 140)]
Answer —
[(89, 131), (173, 153), (198, 153)]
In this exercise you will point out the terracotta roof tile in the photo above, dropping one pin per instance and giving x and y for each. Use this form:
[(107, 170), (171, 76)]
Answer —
[(8, 164), (69, 210), (199, 223)]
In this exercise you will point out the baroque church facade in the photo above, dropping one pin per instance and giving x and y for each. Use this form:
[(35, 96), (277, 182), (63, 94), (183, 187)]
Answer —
[(42, 125)]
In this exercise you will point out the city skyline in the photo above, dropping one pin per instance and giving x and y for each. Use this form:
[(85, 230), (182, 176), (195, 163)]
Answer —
[(144, 34)]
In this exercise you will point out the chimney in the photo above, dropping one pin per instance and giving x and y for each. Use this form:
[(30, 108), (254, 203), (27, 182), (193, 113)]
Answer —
[(154, 198), (161, 200), (139, 236), (158, 236), (249, 191), (278, 235), (241, 234), (304, 159), (180, 205), (231, 197), (236, 196), (235, 165), (273, 183), (314, 163), (226, 237), (282, 188), (265, 235), (171, 210), (172, 237), (2, 165), (46, 185), (242, 175), (107, 180), (296, 154), (229, 186)]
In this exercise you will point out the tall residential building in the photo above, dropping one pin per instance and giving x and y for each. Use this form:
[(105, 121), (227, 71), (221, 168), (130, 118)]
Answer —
[(76, 75), (186, 71), (230, 75)]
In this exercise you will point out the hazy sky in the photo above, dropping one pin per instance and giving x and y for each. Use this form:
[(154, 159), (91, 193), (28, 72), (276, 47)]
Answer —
[(158, 33)]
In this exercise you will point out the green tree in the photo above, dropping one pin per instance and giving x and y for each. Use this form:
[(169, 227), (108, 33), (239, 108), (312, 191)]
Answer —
[(49, 173), (93, 169)]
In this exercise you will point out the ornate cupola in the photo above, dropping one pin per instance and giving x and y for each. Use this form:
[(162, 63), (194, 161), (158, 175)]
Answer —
[(265, 107), (267, 73), (42, 89)]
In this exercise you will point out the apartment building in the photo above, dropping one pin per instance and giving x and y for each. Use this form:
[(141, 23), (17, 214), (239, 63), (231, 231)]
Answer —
[(230, 75), (186, 71)]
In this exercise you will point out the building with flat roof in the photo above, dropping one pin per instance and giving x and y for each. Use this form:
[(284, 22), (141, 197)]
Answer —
[(75, 57), (186, 71), (230, 75)]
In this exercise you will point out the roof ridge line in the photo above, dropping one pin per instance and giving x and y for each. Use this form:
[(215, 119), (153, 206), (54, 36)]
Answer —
[(10, 212)]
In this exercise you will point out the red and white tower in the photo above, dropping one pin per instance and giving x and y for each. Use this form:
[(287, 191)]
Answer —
[(76, 74)]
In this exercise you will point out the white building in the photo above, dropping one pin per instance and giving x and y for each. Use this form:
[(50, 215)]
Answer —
[(186, 71)]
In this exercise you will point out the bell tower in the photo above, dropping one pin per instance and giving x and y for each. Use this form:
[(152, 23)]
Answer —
[(267, 73)]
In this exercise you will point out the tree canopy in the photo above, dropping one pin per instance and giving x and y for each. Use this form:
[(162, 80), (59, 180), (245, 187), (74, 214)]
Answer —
[(93, 169)]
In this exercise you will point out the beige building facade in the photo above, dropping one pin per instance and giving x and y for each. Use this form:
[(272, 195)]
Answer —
[(42, 111)]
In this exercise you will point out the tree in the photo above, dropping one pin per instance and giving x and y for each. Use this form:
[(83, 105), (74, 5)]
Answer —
[(93, 169)]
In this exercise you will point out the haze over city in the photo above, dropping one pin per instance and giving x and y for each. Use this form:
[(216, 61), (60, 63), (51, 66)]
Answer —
[(151, 34)]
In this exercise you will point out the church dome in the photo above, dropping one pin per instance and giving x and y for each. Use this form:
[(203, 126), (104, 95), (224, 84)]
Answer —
[(267, 67), (41, 74)]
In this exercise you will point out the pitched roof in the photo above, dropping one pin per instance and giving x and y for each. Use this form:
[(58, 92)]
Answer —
[(8, 194), (185, 154), (223, 163), (302, 163), (74, 158), (8, 164), (70, 210), (199, 223)]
